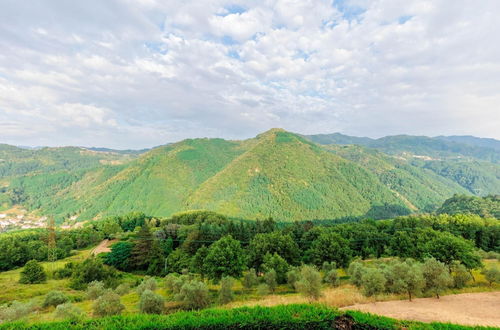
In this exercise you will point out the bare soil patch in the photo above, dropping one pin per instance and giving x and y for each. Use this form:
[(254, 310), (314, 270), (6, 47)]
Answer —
[(104, 246), (466, 308)]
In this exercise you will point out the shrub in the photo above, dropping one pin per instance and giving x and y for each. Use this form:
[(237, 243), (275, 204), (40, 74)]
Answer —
[(108, 304), (54, 298), (492, 275), (151, 303), (15, 311), (92, 269), (226, 290), (407, 277), (373, 281), (194, 295), (149, 283), (68, 311), (460, 275), (263, 289), (32, 273), (436, 275), (355, 271), (174, 283), (292, 277), (270, 280), (250, 279), (332, 277), (310, 282), (64, 272), (95, 289), (122, 289), (328, 266)]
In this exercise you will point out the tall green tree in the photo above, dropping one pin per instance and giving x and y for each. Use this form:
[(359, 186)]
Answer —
[(278, 264), (330, 246), (225, 257), (142, 247), (274, 242), (119, 256)]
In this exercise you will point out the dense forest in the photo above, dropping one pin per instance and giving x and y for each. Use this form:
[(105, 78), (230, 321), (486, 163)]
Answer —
[(277, 174)]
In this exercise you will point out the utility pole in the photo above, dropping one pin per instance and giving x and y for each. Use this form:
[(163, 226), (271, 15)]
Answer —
[(51, 242)]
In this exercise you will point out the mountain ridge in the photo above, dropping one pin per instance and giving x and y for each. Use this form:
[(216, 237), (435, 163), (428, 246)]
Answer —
[(279, 174)]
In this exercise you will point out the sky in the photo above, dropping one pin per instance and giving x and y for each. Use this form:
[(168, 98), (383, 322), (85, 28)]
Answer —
[(140, 73)]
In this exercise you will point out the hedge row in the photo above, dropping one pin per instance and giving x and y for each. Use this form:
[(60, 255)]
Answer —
[(279, 317)]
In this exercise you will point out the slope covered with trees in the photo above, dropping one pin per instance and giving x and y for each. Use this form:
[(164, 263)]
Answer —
[(277, 174)]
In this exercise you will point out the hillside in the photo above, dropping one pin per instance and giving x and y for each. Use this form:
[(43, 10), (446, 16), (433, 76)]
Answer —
[(488, 206), (276, 174), (16, 161), (407, 145)]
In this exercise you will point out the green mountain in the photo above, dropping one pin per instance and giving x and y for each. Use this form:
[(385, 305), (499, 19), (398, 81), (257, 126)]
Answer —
[(16, 161), (488, 206), (277, 174), (473, 141), (407, 145)]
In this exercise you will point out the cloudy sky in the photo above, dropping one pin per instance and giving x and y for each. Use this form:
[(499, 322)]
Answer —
[(133, 74)]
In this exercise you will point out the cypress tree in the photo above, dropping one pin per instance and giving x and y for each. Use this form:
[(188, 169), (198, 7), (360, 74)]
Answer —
[(142, 248)]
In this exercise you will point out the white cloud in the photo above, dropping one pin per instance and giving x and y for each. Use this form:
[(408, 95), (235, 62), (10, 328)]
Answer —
[(136, 74)]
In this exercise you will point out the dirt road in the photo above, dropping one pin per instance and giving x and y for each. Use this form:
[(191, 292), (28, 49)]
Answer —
[(467, 309), (103, 247)]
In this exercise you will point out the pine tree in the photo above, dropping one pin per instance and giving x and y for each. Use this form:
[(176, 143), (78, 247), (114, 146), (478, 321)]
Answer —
[(156, 259), (142, 248)]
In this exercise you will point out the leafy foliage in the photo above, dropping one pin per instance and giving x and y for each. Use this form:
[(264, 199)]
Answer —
[(32, 273)]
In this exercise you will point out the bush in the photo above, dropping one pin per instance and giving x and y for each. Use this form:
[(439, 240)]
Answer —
[(175, 282), (310, 282), (122, 289), (292, 277), (108, 304), (32, 273), (373, 281), (226, 290), (95, 289), (151, 303), (54, 298), (194, 295), (492, 275), (461, 276), (92, 269), (250, 279), (263, 289), (436, 275), (332, 277), (68, 311), (149, 283), (15, 311), (270, 280), (328, 266), (355, 271), (64, 272)]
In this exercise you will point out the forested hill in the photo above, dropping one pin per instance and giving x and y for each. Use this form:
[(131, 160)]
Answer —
[(488, 206), (276, 174), (453, 147)]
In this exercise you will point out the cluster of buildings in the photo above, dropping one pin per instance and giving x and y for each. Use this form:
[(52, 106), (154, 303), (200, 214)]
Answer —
[(20, 221)]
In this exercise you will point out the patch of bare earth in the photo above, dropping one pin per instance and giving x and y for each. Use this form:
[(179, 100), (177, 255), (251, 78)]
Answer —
[(104, 246), (466, 308)]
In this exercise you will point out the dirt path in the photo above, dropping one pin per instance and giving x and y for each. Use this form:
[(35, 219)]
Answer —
[(103, 247), (467, 309)]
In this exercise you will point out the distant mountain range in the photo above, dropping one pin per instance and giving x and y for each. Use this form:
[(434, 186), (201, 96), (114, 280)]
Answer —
[(276, 174)]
